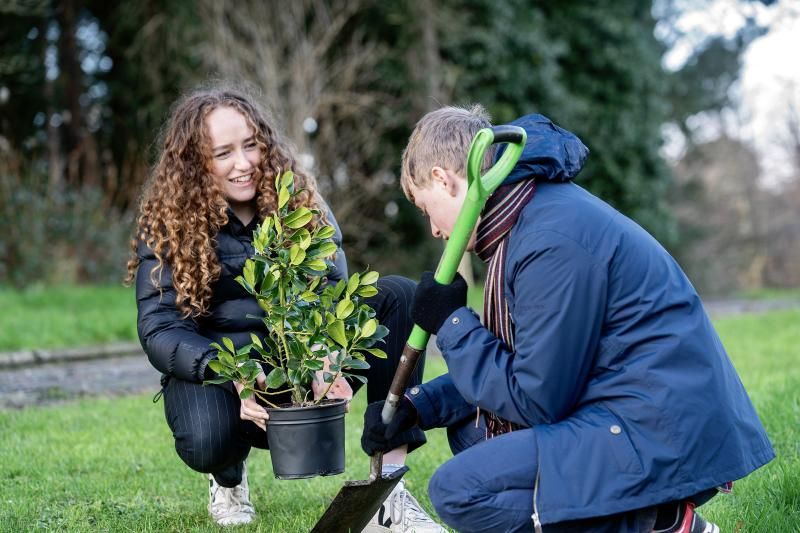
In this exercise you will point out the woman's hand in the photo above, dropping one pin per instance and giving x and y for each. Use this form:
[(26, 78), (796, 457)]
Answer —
[(340, 389), (250, 409)]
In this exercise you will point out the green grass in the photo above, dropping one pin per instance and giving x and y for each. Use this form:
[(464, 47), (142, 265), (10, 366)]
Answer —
[(766, 350), (109, 464), (66, 316), (771, 294), (475, 298)]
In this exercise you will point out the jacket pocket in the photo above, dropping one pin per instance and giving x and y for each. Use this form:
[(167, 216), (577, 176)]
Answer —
[(587, 465), (621, 445)]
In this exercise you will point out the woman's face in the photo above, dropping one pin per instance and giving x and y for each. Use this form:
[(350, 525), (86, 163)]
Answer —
[(235, 157)]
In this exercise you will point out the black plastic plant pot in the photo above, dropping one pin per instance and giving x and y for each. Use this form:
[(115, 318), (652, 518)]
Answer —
[(307, 441)]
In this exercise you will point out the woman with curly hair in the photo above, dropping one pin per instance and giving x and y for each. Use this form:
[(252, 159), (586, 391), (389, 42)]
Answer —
[(211, 186)]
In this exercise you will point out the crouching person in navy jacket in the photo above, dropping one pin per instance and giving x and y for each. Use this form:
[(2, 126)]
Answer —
[(595, 396)]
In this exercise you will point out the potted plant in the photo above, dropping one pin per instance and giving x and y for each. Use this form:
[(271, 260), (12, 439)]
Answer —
[(312, 326)]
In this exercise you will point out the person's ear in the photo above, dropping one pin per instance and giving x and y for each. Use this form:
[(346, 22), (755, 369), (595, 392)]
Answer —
[(445, 179)]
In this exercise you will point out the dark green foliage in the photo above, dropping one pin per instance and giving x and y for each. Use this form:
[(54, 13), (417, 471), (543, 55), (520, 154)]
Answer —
[(611, 71), (310, 322), (594, 68)]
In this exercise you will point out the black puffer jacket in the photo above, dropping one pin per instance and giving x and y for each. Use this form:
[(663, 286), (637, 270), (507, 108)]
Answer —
[(178, 346)]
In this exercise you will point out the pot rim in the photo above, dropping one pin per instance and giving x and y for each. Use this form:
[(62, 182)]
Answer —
[(335, 402)]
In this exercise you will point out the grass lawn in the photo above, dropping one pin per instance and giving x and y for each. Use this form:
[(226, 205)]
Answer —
[(109, 465), (66, 316), (80, 315)]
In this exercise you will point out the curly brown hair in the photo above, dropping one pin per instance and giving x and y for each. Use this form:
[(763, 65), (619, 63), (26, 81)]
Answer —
[(182, 208)]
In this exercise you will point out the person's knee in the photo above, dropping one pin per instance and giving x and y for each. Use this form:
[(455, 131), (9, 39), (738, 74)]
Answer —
[(463, 501), (204, 452), (446, 494)]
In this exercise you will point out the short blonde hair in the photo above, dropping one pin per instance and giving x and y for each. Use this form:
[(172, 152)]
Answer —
[(442, 138)]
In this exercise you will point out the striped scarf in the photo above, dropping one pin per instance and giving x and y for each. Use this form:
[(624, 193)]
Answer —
[(498, 217)]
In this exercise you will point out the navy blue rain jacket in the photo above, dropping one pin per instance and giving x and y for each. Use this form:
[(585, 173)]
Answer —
[(617, 368)]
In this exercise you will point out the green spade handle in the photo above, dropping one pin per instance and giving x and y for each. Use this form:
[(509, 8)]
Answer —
[(479, 188)]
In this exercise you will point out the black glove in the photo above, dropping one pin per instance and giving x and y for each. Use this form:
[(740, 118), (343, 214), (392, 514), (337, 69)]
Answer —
[(380, 437), (434, 302)]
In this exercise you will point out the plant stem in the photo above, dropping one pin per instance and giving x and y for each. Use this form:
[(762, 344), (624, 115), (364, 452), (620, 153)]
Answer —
[(324, 394), (261, 395)]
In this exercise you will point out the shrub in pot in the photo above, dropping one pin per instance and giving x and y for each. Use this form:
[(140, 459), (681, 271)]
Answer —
[(312, 325)]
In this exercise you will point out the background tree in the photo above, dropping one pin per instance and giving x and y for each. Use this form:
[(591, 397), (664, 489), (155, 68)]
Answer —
[(85, 85)]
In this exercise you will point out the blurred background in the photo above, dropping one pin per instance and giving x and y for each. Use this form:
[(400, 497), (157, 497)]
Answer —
[(691, 109)]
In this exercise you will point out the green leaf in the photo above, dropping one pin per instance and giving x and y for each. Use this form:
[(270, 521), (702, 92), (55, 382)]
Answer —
[(344, 308), (352, 283), (316, 264), (249, 272), (369, 278), (326, 232), (264, 229), (298, 218), (217, 346), (362, 379), (369, 327), (228, 344), (256, 340), (326, 249), (315, 364), (356, 364), (243, 282), (317, 319), (278, 226), (296, 254), (367, 291), (380, 354), (215, 365), (305, 240), (336, 332), (380, 333), (302, 237), (226, 359), (309, 296), (244, 350), (258, 244), (339, 289), (287, 179), (246, 393), (283, 197), (276, 378), (269, 281), (216, 381)]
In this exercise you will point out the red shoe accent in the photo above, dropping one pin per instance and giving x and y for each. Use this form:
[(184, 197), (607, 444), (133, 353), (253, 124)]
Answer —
[(688, 518)]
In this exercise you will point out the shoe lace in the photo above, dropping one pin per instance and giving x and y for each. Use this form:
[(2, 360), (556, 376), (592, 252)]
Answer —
[(406, 510)]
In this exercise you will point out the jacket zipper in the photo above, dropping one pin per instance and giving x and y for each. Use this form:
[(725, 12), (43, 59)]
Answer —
[(537, 524)]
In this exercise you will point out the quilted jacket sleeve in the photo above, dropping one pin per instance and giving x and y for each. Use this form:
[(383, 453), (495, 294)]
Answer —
[(339, 270), (172, 343)]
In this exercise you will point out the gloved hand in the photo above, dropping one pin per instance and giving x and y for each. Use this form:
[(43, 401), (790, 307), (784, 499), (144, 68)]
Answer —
[(434, 302), (377, 436)]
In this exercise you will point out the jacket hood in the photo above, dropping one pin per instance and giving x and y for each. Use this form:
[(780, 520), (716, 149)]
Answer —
[(551, 153)]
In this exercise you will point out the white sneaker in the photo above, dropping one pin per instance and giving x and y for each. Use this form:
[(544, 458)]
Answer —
[(402, 513), (230, 507)]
